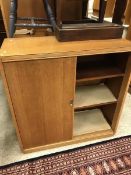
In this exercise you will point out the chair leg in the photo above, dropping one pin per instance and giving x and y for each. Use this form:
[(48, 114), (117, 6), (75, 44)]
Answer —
[(13, 17), (50, 14), (102, 9), (84, 8), (120, 7)]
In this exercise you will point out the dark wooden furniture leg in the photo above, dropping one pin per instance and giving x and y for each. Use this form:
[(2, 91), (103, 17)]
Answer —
[(50, 14), (2, 29), (119, 10), (59, 5), (84, 8), (13, 17), (102, 9)]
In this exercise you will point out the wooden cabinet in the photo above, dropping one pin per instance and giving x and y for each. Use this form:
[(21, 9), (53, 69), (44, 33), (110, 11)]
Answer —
[(64, 93)]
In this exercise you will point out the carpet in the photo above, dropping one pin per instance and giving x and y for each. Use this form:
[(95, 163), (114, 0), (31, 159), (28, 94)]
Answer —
[(105, 158)]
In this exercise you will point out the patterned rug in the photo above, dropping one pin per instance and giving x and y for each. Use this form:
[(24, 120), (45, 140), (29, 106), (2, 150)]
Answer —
[(106, 158)]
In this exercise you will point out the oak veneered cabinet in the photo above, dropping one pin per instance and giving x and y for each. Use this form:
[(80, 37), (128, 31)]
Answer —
[(64, 93)]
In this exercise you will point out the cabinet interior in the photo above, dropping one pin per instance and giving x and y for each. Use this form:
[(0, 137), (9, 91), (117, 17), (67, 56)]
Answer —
[(101, 66), (98, 83), (89, 121)]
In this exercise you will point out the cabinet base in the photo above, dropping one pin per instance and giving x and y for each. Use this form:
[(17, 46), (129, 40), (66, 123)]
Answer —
[(75, 140)]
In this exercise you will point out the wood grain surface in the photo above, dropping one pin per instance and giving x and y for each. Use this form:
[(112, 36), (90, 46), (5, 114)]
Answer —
[(41, 92), (49, 47), (5, 8)]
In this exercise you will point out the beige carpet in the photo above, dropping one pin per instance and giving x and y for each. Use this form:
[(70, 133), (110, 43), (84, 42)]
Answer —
[(9, 147)]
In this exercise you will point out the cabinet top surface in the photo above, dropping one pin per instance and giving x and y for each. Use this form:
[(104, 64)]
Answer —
[(48, 47)]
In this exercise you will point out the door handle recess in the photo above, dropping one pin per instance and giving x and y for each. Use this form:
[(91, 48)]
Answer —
[(71, 102)]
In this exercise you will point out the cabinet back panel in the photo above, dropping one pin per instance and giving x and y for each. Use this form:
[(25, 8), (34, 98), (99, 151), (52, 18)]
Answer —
[(95, 61), (41, 91), (66, 12), (109, 111), (114, 84)]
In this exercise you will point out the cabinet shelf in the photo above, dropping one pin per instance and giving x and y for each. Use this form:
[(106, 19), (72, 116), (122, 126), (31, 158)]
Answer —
[(101, 72), (100, 66), (89, 121), (93, 95)]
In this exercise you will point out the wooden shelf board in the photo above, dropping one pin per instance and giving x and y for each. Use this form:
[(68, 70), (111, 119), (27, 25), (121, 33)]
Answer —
[(89, 121), (93, 95), (92, 73), (92, 106), (82, 80)]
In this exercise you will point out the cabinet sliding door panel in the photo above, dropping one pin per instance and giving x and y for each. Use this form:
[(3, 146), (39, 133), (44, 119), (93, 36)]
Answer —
[(41, 91)]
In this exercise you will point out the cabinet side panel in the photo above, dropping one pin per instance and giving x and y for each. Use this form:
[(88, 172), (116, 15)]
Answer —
[(122, 94), (2, 72), (40, 96)]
